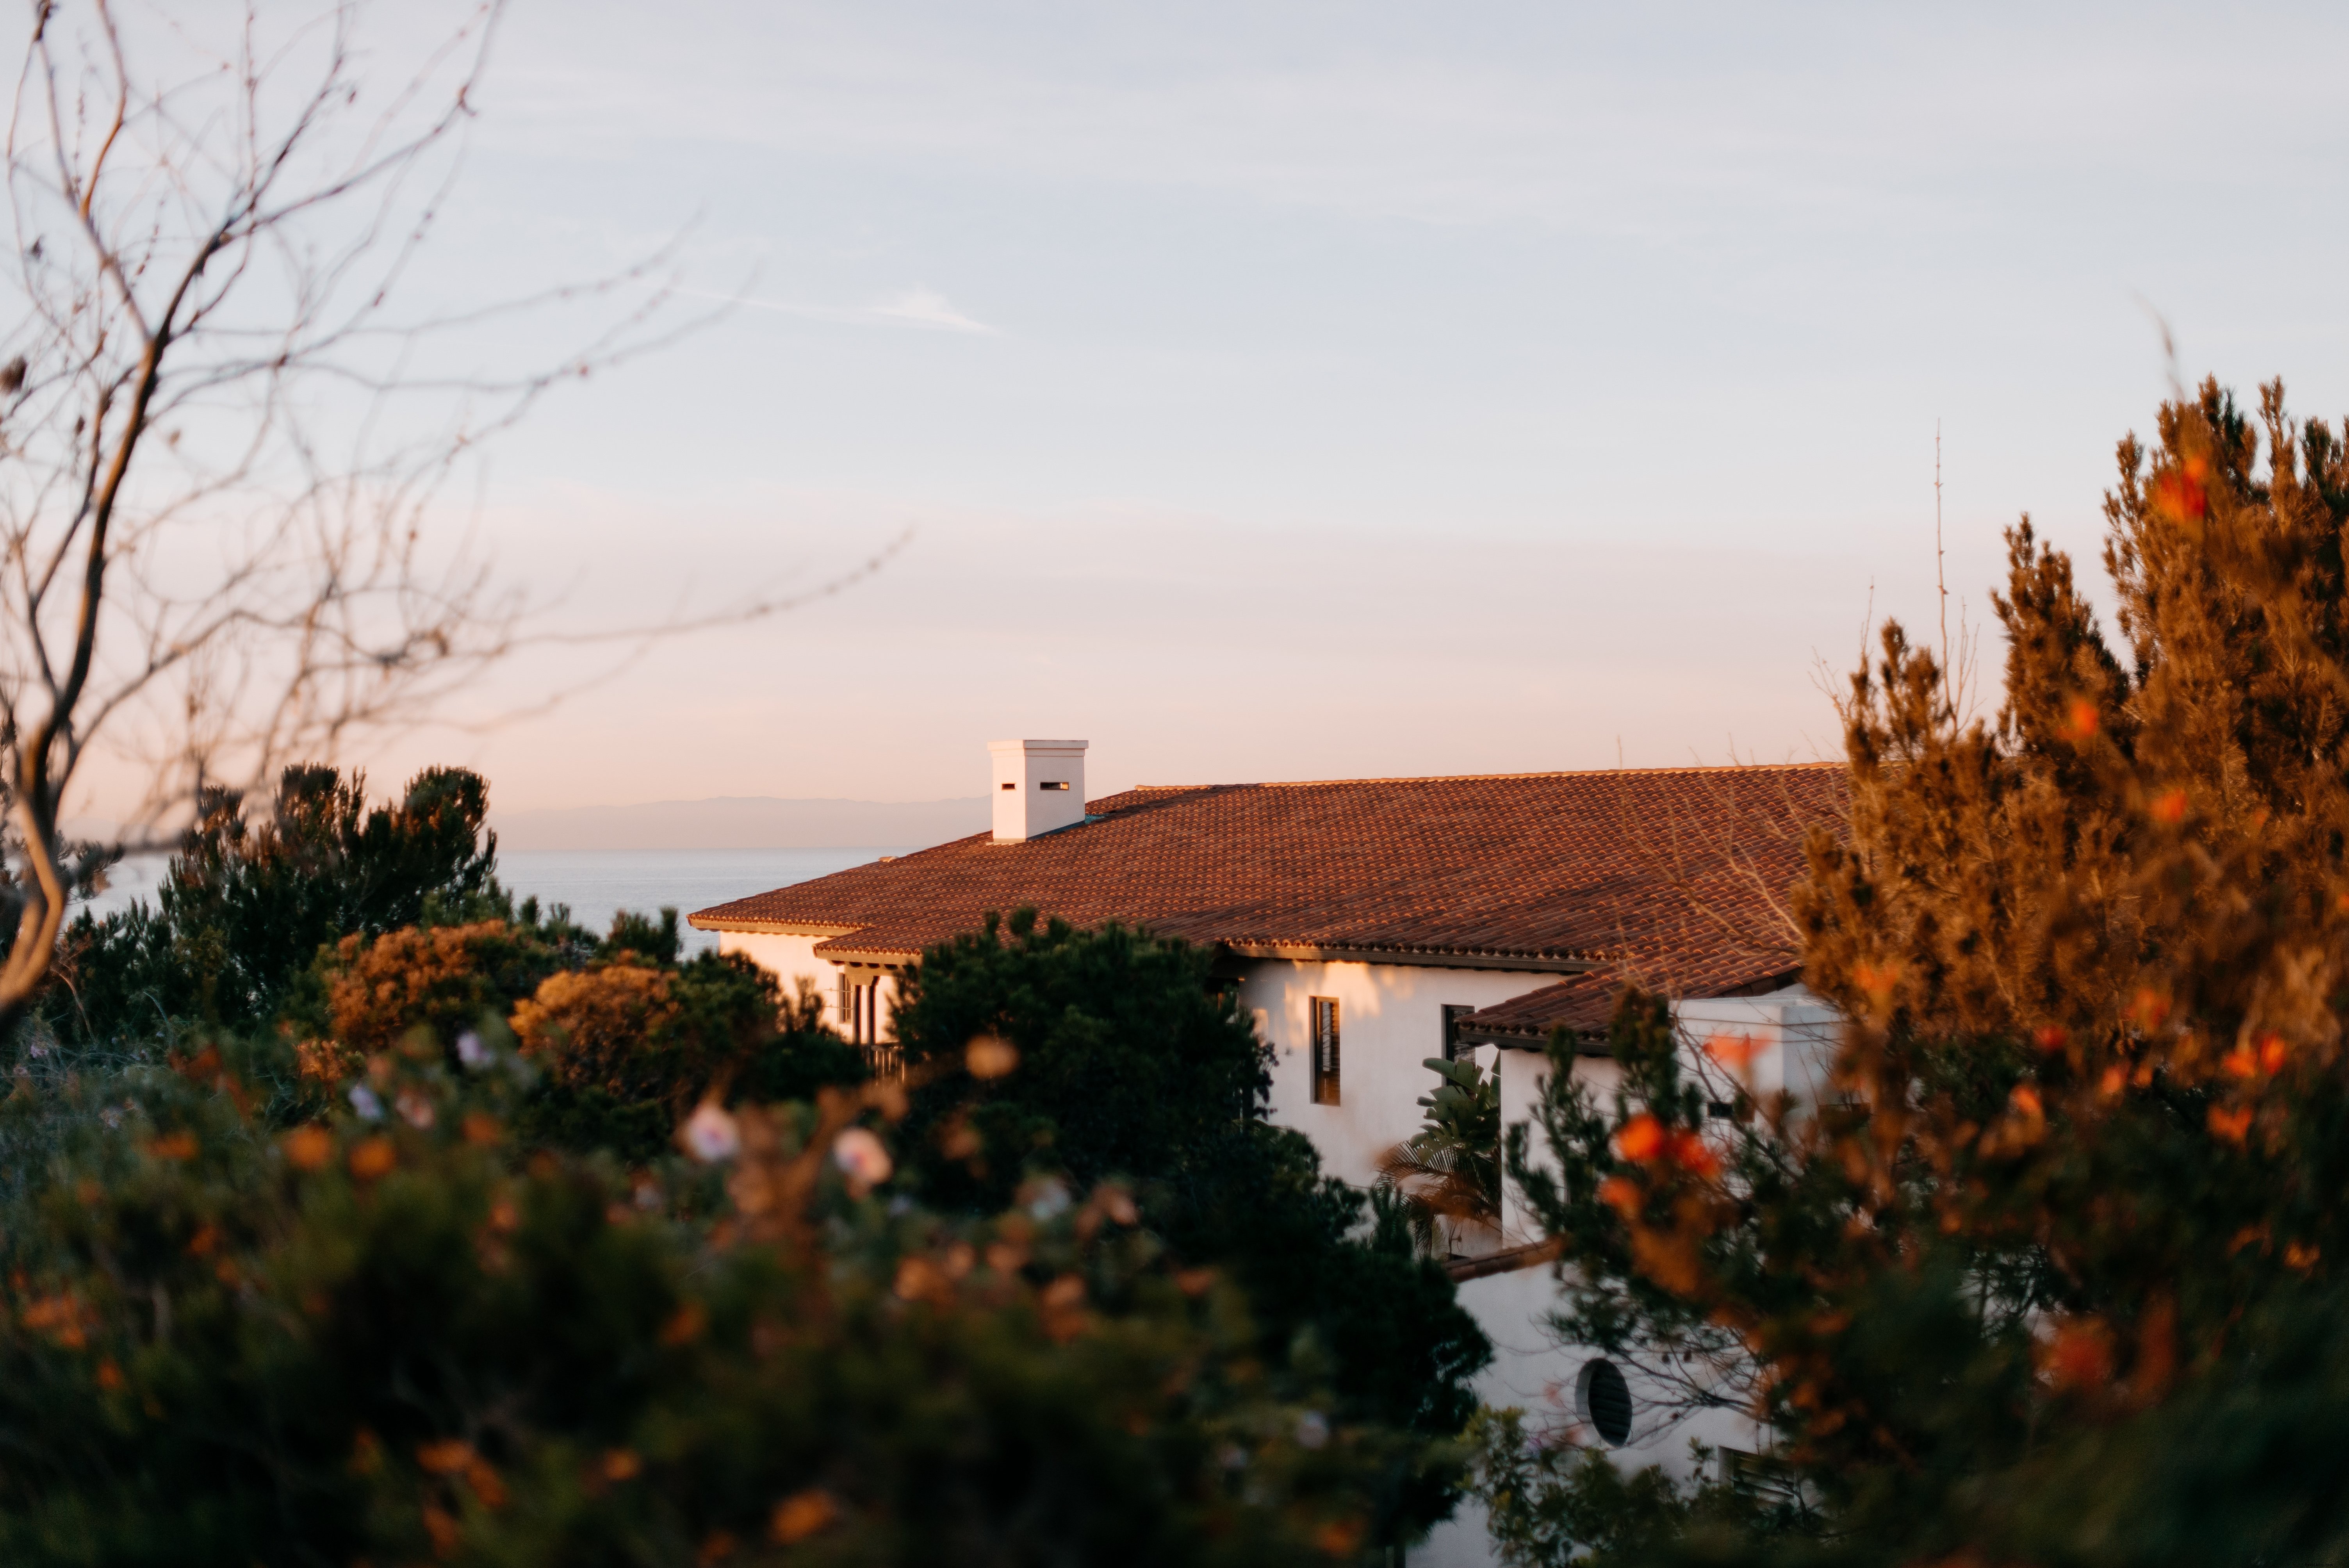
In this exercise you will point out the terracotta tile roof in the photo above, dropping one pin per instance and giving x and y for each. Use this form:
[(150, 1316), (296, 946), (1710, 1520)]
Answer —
[(1585, 1005), (1670, 874)]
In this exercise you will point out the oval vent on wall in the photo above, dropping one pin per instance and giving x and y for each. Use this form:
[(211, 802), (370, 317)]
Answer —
[(1605, 1401)]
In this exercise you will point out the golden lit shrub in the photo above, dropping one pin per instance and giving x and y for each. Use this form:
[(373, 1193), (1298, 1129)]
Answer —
[(444, 978), (593, 1027)]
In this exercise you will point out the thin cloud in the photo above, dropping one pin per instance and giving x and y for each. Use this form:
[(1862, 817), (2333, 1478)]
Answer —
[(917, 307), (927, 308)]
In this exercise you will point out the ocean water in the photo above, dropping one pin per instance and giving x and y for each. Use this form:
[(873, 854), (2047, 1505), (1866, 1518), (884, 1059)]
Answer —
[(599, 883)]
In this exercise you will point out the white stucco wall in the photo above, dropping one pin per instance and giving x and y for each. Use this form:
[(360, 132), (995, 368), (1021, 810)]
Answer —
[(793, 956), (1533, 1371), (1390, 1021)]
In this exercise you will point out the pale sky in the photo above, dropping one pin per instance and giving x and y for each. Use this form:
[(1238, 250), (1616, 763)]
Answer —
[(1299, 390)]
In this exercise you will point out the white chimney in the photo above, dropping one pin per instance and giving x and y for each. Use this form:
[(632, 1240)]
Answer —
[(1040, 786)]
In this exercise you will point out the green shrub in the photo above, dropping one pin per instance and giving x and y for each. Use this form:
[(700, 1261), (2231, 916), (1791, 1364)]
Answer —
[(1111, 1054), (400, 1336)]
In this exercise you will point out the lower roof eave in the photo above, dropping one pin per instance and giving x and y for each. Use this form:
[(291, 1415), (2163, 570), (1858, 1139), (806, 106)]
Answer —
[(1587, 1042), (867, 957), (702, 920), (1509, 1260), (1418, 957)]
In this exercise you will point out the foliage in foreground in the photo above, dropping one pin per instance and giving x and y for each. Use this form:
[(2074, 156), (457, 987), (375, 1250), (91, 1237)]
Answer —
[(2061, 1282), (377, 1266), (400, 1335), (1108, 1055)]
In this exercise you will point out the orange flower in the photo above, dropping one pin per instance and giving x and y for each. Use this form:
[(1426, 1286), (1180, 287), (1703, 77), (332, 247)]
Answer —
[(446, 1457), (2233, 1126), (61, 1317), (2169, 807), (622, 1464), (480, 1128), (446, 1533), (2082, 1355), (1878, 981), (486, 1484), (2150, 1010), (110, 1376), (373, 1156), (2025, 1099), (2240, 1063), (918, 1277), (174, 1146), (1693, 1155), (990, 1056), (2273, 1054), (1063, 1304), (2116, 1078), (1623, 1195), (1339, 1537), (801, 1515), (2296, 1256), (2080, 719), (2178, 494), (310, 1148), (2050, 1037), (1733, 1051), (685, 1325), (1640, 1139)]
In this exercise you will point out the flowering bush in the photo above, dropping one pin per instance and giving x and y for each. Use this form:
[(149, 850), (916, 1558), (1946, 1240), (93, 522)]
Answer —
[(397, 1336)]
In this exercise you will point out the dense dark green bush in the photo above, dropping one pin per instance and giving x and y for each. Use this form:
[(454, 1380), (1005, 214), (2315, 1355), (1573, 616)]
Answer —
[(401, 1336), (245, 906), (1109, 1054)]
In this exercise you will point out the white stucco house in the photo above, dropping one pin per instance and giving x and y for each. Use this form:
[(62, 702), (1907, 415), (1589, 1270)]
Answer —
[(1369, 925)]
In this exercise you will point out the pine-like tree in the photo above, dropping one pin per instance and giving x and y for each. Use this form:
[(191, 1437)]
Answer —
[(2055, 1282)]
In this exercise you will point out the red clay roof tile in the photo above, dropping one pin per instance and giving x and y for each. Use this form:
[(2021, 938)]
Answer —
[(1672, 876)]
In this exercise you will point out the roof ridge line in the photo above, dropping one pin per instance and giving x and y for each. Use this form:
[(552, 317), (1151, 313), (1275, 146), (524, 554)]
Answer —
[(1471, 777)]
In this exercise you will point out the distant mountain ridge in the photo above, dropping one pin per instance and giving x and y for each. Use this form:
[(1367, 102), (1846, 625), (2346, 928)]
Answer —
[(743, 822)]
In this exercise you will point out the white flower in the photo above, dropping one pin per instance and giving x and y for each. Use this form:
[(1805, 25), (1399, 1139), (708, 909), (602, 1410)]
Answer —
[(471, 1052), (860, 1155), (415, 1109), (710, 1134), (363, 1101), (1312, 1429), (1048, 1201)]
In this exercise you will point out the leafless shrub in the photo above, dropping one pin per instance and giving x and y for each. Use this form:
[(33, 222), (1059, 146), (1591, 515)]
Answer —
[(225, 434)]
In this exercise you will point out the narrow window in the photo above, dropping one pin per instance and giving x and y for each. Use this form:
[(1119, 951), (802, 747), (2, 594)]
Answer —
[(1057, 784), (1009, 785), (1325, 1050), (1453, 1050)]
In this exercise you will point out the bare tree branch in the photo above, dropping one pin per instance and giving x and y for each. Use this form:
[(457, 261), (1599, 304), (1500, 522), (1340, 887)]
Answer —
[(224, 436)]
